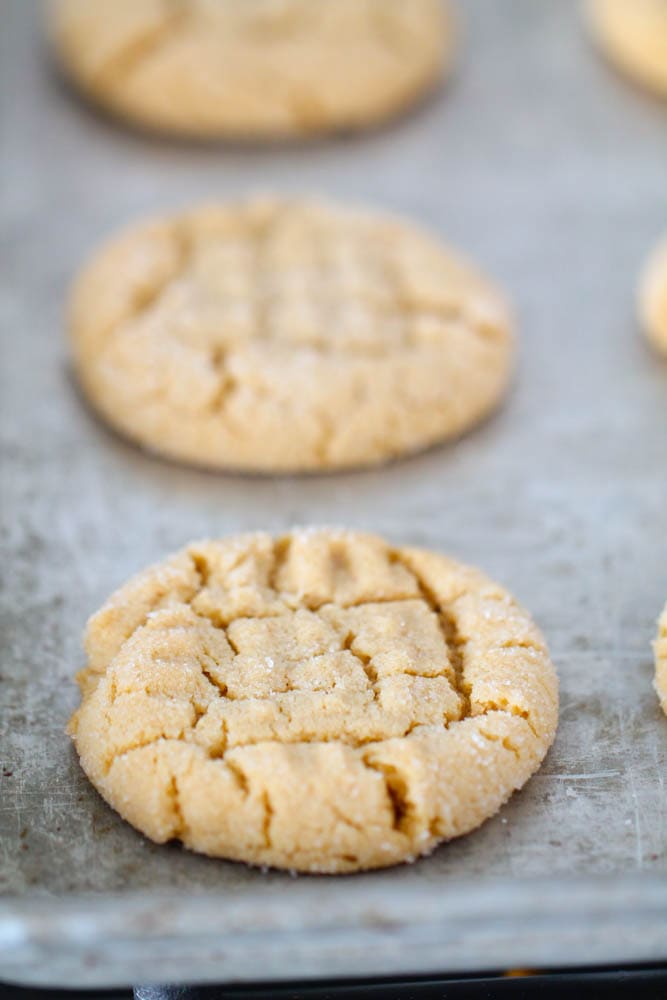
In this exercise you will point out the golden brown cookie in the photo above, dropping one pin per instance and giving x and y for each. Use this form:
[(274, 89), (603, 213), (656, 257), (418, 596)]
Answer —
[(660, 648), (321, 701), (653, 298), (253, 68), (633, 34), (287, 335)]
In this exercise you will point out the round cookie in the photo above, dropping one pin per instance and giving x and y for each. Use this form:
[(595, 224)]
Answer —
[(253, 68), (287, 335), (319, 701), (653, 298), (633, 34), (660, 648)]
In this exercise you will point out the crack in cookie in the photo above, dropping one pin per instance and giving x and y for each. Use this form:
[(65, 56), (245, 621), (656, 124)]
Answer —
[(147, 39)]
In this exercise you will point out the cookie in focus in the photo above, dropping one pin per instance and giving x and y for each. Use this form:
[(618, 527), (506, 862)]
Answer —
[(321, 701)]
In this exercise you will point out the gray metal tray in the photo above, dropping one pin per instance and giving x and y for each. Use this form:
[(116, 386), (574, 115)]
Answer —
[(552, 172)]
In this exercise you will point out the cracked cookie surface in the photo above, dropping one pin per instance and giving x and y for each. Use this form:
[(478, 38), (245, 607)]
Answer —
[(660, 648), (633, 34), (653, 298), (320, 701), (287, 335), (253, 68)]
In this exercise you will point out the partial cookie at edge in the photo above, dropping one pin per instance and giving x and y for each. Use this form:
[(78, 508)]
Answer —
[(633, 35), (653, 298), (660, 649)]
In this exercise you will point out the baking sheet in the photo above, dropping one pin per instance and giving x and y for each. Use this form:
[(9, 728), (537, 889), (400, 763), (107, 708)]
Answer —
[(552, 173)]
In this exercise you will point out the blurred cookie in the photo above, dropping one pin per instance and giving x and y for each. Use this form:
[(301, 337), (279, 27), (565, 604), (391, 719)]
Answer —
[(253, 68), (320, 701), (653, 298), (287, 335), (633, 34)]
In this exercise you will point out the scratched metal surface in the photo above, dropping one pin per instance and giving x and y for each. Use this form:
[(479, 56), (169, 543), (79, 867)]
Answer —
[(550, 171)]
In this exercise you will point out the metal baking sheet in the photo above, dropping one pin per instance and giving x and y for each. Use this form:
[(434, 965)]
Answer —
[(550, 171)]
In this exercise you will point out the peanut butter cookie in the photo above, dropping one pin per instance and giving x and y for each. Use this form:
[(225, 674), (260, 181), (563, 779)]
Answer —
[(253, 68), (287, 335), (321, 701)]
